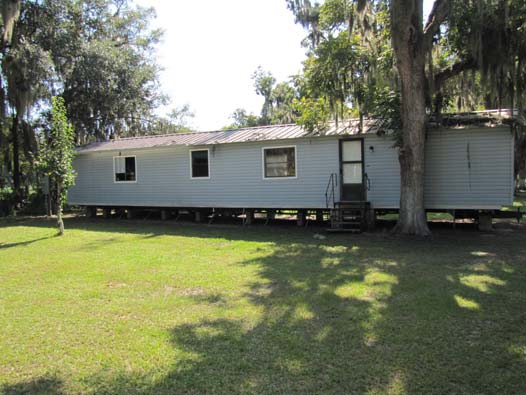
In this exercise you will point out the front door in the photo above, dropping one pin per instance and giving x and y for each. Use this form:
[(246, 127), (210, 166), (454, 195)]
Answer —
[(351, 170)]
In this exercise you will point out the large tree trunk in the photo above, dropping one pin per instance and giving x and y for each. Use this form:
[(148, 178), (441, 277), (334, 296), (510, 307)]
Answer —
[(412, 219), (16, 159), (521, 180), (410, 51), (520, 133), (4, 145), (520, 158)]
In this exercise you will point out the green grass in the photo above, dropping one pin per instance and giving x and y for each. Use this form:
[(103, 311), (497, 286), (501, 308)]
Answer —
[(144, 307), (518, 203), (431, 216)]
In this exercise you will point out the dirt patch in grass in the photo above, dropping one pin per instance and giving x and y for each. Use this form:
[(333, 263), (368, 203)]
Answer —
[(191, 292), (116, 284)]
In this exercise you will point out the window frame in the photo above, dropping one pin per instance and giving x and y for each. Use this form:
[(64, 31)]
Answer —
[(191, 163), (263, 149), (115, 181)]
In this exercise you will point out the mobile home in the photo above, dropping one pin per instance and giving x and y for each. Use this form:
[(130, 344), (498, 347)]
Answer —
[(285, 167)]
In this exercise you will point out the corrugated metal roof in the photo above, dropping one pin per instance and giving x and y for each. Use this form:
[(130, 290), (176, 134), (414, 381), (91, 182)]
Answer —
[(268, 133), (259, 133)]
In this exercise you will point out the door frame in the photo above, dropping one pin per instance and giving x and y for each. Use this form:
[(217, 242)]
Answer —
[(341, 163)]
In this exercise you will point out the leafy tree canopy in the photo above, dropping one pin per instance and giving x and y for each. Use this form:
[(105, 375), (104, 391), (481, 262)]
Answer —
[(56, 155), (97, 54)]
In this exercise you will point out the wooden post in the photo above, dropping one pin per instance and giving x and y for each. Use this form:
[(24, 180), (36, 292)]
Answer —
[(485, 222), (198, 216), (106, 212), (271, 214), (129, 213), (370, 219), (249, 217), (165, 214), (301, 217), (91, 211), (319, 215)]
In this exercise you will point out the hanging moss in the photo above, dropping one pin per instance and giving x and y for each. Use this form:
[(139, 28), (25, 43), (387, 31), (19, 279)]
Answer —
[(10, 10)]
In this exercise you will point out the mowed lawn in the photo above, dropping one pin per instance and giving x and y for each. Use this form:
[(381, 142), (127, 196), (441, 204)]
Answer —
[(146, 307)]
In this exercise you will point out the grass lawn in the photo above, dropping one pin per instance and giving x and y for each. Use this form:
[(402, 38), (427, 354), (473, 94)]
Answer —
[(144, 307), (519, 203)]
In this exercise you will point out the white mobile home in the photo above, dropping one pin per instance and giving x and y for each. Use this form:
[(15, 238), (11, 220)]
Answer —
[(286, 167)]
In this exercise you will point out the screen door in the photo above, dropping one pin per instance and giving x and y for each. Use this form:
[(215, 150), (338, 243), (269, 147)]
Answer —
[(351, 168)]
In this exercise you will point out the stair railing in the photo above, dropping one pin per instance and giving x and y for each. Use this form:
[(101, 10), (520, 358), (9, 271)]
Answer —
[(330, 191), (367, 182)]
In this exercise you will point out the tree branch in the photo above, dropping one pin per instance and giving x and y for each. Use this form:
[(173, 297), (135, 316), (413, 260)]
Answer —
[(438, 14), (441, 77)]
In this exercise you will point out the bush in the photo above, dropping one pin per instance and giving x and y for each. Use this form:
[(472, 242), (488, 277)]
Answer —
[(7, 201), (34, 204)]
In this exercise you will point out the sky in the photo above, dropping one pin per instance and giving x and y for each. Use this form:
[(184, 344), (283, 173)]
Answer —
[(211, 49)]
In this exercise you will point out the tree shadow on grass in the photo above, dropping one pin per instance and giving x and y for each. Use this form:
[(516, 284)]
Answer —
[(279, 232), (391, 316), (359, 315), (456, 327), (46, 385), (410, 317), (23, 243)]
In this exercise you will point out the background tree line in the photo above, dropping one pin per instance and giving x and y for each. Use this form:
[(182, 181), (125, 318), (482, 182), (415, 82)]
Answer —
[(98, 55)]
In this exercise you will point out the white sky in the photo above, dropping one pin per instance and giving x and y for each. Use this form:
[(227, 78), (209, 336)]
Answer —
[(211, 49)]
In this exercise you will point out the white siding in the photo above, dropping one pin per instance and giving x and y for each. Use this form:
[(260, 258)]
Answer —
[(484, 181), (383, 170), (236, 178), (236, 174), (471, 169)]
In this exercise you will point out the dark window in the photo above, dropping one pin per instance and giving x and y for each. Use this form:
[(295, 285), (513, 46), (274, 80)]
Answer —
[(125, 168), (280, 162), (200, 164)]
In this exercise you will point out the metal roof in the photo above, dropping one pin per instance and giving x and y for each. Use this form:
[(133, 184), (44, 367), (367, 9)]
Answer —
[(282, 132), (259, 133)]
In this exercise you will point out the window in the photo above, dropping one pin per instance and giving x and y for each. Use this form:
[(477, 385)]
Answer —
[(351, 158), (199, 164), (279, 162), (124, 169)]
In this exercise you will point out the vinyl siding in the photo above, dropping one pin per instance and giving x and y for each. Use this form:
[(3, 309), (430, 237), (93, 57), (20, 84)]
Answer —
[(472, 169), (236, 177), (383, 171), (485, 181), (236, 174)]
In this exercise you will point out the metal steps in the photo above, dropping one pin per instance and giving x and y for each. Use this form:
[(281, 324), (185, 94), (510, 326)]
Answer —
[(348, 216)]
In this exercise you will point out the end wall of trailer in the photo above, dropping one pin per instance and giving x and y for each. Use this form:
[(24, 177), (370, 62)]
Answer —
[(468, 169)]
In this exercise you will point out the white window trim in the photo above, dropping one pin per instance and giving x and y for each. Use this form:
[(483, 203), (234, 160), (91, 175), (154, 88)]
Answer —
[(279, 178), (191, 171), (136, 171)]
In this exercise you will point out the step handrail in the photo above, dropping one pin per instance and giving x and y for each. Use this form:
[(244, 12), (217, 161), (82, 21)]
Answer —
[(330, 190)]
